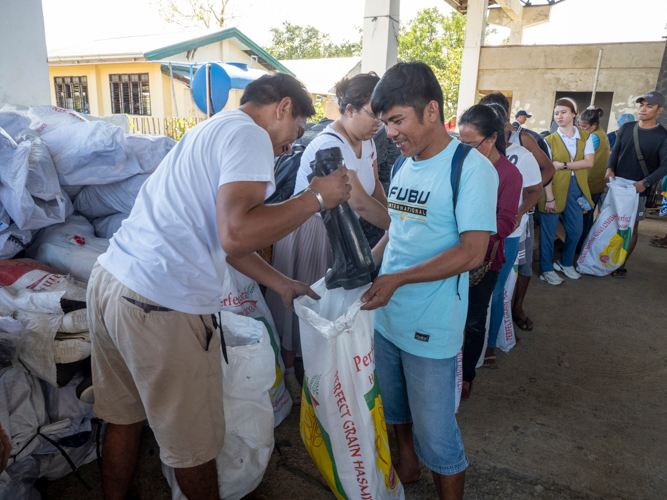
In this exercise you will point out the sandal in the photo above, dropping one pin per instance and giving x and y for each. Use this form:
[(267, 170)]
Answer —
[(523, 323), (489, 357), (657, 243), (620, 273)]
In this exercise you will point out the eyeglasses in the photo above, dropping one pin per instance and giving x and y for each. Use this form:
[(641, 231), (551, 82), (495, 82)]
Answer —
[(478, 144), (375, 120)]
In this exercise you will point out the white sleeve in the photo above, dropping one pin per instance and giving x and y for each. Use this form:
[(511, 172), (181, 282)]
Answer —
[(247, 157), (530, 170), (589, 148)]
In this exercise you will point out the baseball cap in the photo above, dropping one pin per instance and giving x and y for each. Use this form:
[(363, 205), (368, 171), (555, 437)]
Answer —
[(653, 97), (625, 118), (522, 113)]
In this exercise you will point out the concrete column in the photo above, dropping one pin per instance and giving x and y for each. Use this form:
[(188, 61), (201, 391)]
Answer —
[(23, 54), (380, 50), (516, 32), (474, 41), (529, 17)]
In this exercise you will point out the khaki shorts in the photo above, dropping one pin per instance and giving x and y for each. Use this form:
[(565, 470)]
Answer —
[(156, 365)]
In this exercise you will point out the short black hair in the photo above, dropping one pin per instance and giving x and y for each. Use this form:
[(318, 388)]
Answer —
[(271, 88), (487, 120), (497, 98), (410, 84)]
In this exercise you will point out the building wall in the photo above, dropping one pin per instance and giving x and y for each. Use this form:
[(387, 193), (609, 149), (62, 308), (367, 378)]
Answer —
[(224, 51), (23, 54), (531, 75), (99, 90)]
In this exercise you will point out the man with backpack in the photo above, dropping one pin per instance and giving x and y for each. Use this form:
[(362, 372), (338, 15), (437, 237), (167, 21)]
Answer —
[(640, 154), (442, 202)]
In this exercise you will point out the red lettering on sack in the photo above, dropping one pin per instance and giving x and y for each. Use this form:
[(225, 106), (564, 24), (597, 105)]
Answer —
[(366, 360), (361, 480)]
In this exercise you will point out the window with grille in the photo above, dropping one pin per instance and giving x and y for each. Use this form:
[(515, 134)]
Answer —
[(130, 94), (72, 92)]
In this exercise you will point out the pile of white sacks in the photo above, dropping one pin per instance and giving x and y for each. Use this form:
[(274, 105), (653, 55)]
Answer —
[(67, 181)]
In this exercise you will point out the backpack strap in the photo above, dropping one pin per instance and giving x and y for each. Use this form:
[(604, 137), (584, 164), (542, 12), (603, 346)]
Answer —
[(332, 135), (460, 154), (397, 166), (638, 151), (457, 165)]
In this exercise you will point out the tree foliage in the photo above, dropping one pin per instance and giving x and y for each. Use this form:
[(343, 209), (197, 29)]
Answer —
[(299, 42), (201, 13), (437, 40)]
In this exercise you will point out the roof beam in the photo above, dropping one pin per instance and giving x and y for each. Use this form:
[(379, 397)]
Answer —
[(513, 8)]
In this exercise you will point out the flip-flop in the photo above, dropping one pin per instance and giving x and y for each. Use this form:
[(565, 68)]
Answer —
[(657, 244), (489, 360), (620, 273), (522, 324)]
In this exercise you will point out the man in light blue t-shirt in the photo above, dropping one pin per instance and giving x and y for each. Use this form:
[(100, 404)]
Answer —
[(421, 294)]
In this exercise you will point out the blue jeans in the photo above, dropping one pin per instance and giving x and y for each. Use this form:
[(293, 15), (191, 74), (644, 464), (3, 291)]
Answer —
[(422, 391), (588, 220), (573, 219), (498, 297)]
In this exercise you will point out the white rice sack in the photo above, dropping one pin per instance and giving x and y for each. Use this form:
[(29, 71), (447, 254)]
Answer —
[(106, 227), (149, 149), (45, 119), (90, 153), (13, 122), (107, 199)]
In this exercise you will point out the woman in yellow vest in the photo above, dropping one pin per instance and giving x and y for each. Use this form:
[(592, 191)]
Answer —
[(572, 153), (590, 122)]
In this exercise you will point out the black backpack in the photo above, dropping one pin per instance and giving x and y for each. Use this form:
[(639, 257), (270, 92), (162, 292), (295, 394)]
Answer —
[(287, 166)]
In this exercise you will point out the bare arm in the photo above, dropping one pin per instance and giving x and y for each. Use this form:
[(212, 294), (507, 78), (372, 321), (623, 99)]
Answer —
[(245, 224), (379, 193), (546, 167), (256, 268), (367, 206), (531, 195), (550, 205), (378, 250), (467, 255), (587, 162)]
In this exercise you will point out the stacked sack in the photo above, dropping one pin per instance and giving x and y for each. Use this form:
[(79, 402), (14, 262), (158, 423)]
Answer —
[(66, 185)]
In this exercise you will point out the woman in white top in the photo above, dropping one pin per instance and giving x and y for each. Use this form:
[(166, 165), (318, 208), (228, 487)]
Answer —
[(572, 152), (305, 254)]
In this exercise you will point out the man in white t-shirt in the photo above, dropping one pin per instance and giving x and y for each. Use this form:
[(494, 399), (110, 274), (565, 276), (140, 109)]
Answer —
[(530, 195), (155, 353)]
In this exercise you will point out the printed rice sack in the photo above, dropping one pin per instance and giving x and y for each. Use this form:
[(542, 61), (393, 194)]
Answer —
[(31, 292), (241, 295), (506, 338), (606, 247), (342, 419)]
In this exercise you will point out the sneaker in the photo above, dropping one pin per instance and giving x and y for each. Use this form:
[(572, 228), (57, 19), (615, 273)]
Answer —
[(570, 272), (84, 391), (551, 277), (293, 387), (71, 350), (75, 322)]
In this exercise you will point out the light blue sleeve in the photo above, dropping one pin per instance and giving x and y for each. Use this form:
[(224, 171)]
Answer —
[(478, 195), (596, 141)]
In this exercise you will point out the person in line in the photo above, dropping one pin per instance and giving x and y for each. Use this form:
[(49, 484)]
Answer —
[(483, 127), (623, 160), (523, 138), (573, 154), (451, 123), (305, 255), (590, 122), (520, 118), (531, 184), (156, 354), (622, 120), (421, 295)]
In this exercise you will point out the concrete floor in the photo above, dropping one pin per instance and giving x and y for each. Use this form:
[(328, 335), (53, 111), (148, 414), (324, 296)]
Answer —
[(576, 410)]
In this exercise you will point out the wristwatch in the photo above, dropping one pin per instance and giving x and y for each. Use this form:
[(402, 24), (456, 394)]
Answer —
[(646, 183), (565, 166)]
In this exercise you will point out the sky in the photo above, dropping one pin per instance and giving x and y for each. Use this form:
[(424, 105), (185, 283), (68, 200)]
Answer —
[(71, 22)]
